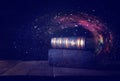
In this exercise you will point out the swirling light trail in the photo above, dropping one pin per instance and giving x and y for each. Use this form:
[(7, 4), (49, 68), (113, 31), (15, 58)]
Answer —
[(102, 35)]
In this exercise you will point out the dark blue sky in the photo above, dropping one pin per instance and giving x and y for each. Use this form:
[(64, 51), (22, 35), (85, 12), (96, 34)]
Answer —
[(16, 13)]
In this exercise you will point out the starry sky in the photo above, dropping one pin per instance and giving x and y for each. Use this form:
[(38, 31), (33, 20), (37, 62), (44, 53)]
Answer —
[(25, 26)]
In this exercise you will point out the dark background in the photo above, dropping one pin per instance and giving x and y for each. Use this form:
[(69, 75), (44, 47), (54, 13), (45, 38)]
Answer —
[(17, 13)]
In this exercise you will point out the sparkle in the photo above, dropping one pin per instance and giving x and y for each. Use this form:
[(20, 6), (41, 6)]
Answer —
[(26, 52), (82, 42), (76, 25), (15, 47), (78, 43), (93, 10), (35, 27), (66, 42), (72, 43), (76, 30), (89, 20)]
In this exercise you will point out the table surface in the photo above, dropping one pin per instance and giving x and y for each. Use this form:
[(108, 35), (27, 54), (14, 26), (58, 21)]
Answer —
[(42, 68)]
